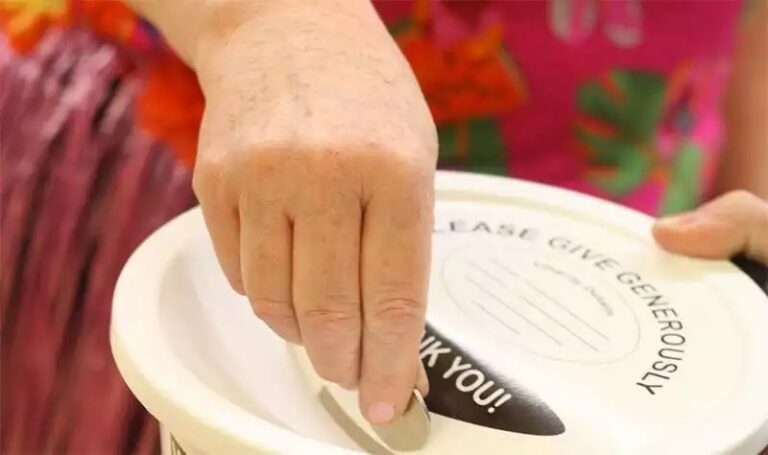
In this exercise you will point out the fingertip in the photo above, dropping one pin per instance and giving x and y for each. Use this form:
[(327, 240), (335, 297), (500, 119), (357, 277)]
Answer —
[(705, 239), (668, 238), (294, 337), (382, 386), (664, 233), (681, 222), (380, 413), (373, 404), (288, 331), (676, 233), (237, 285)]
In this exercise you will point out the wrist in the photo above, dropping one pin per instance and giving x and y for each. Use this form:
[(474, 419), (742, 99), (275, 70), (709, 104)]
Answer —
[(184, 23), (263, 34)]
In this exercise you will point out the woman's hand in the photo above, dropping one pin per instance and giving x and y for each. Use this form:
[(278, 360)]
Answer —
[(734, 223), (315, 176)]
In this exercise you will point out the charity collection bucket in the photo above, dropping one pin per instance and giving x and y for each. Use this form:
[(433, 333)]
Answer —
[(555, 325)]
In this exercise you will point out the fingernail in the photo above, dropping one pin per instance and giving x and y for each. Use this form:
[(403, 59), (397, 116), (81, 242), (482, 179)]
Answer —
[(381, 413), (679, 221)]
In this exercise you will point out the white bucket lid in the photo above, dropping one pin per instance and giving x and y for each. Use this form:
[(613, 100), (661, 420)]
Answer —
[(568, 330)]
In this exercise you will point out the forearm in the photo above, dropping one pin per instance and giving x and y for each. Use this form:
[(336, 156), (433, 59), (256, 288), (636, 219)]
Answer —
[(178, 20), (190, 26), (745, 164)]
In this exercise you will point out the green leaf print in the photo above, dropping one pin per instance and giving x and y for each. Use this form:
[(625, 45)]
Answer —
[(400, 26), (481, 149), (623, 112), (684, 184), (631, 101), (627, 165), (447, 138), (486, 147)]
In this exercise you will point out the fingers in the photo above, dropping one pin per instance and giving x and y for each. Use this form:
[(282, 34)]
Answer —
[(395, 268), (736, 222), (299, 257), (266, 266), (422, 382), (223, 222), (326, 283)]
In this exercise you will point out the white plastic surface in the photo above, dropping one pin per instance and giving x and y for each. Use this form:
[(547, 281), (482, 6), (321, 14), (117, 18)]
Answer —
[(194, 354)]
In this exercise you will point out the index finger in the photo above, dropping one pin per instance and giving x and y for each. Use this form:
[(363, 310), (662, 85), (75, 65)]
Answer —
[(395, 262)]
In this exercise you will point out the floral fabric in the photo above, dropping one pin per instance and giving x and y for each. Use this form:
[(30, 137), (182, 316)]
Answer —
[(615, 98)]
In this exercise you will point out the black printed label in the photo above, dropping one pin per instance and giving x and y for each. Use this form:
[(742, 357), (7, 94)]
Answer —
[(463, 388)]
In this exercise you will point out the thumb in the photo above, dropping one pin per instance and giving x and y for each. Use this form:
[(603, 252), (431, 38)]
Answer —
[(734, 223)]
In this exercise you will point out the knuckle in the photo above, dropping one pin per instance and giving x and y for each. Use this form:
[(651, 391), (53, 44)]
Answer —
[(263, 159), (200, 183), (395, 159), (328, 321), (394, 318), (405, 166), (742, 204), (208, 172), (759, 228)]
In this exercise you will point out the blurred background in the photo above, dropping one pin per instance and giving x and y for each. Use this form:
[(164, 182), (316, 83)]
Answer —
[(82, 183)]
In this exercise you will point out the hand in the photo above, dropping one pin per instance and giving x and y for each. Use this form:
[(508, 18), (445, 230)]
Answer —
[(734, 223), (315, 176)]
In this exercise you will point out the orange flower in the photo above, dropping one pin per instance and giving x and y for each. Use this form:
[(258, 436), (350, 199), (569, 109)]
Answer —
[(612, 88), (25, 21), (171, 106), (110, 19), (596, 127), (470, 79)]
